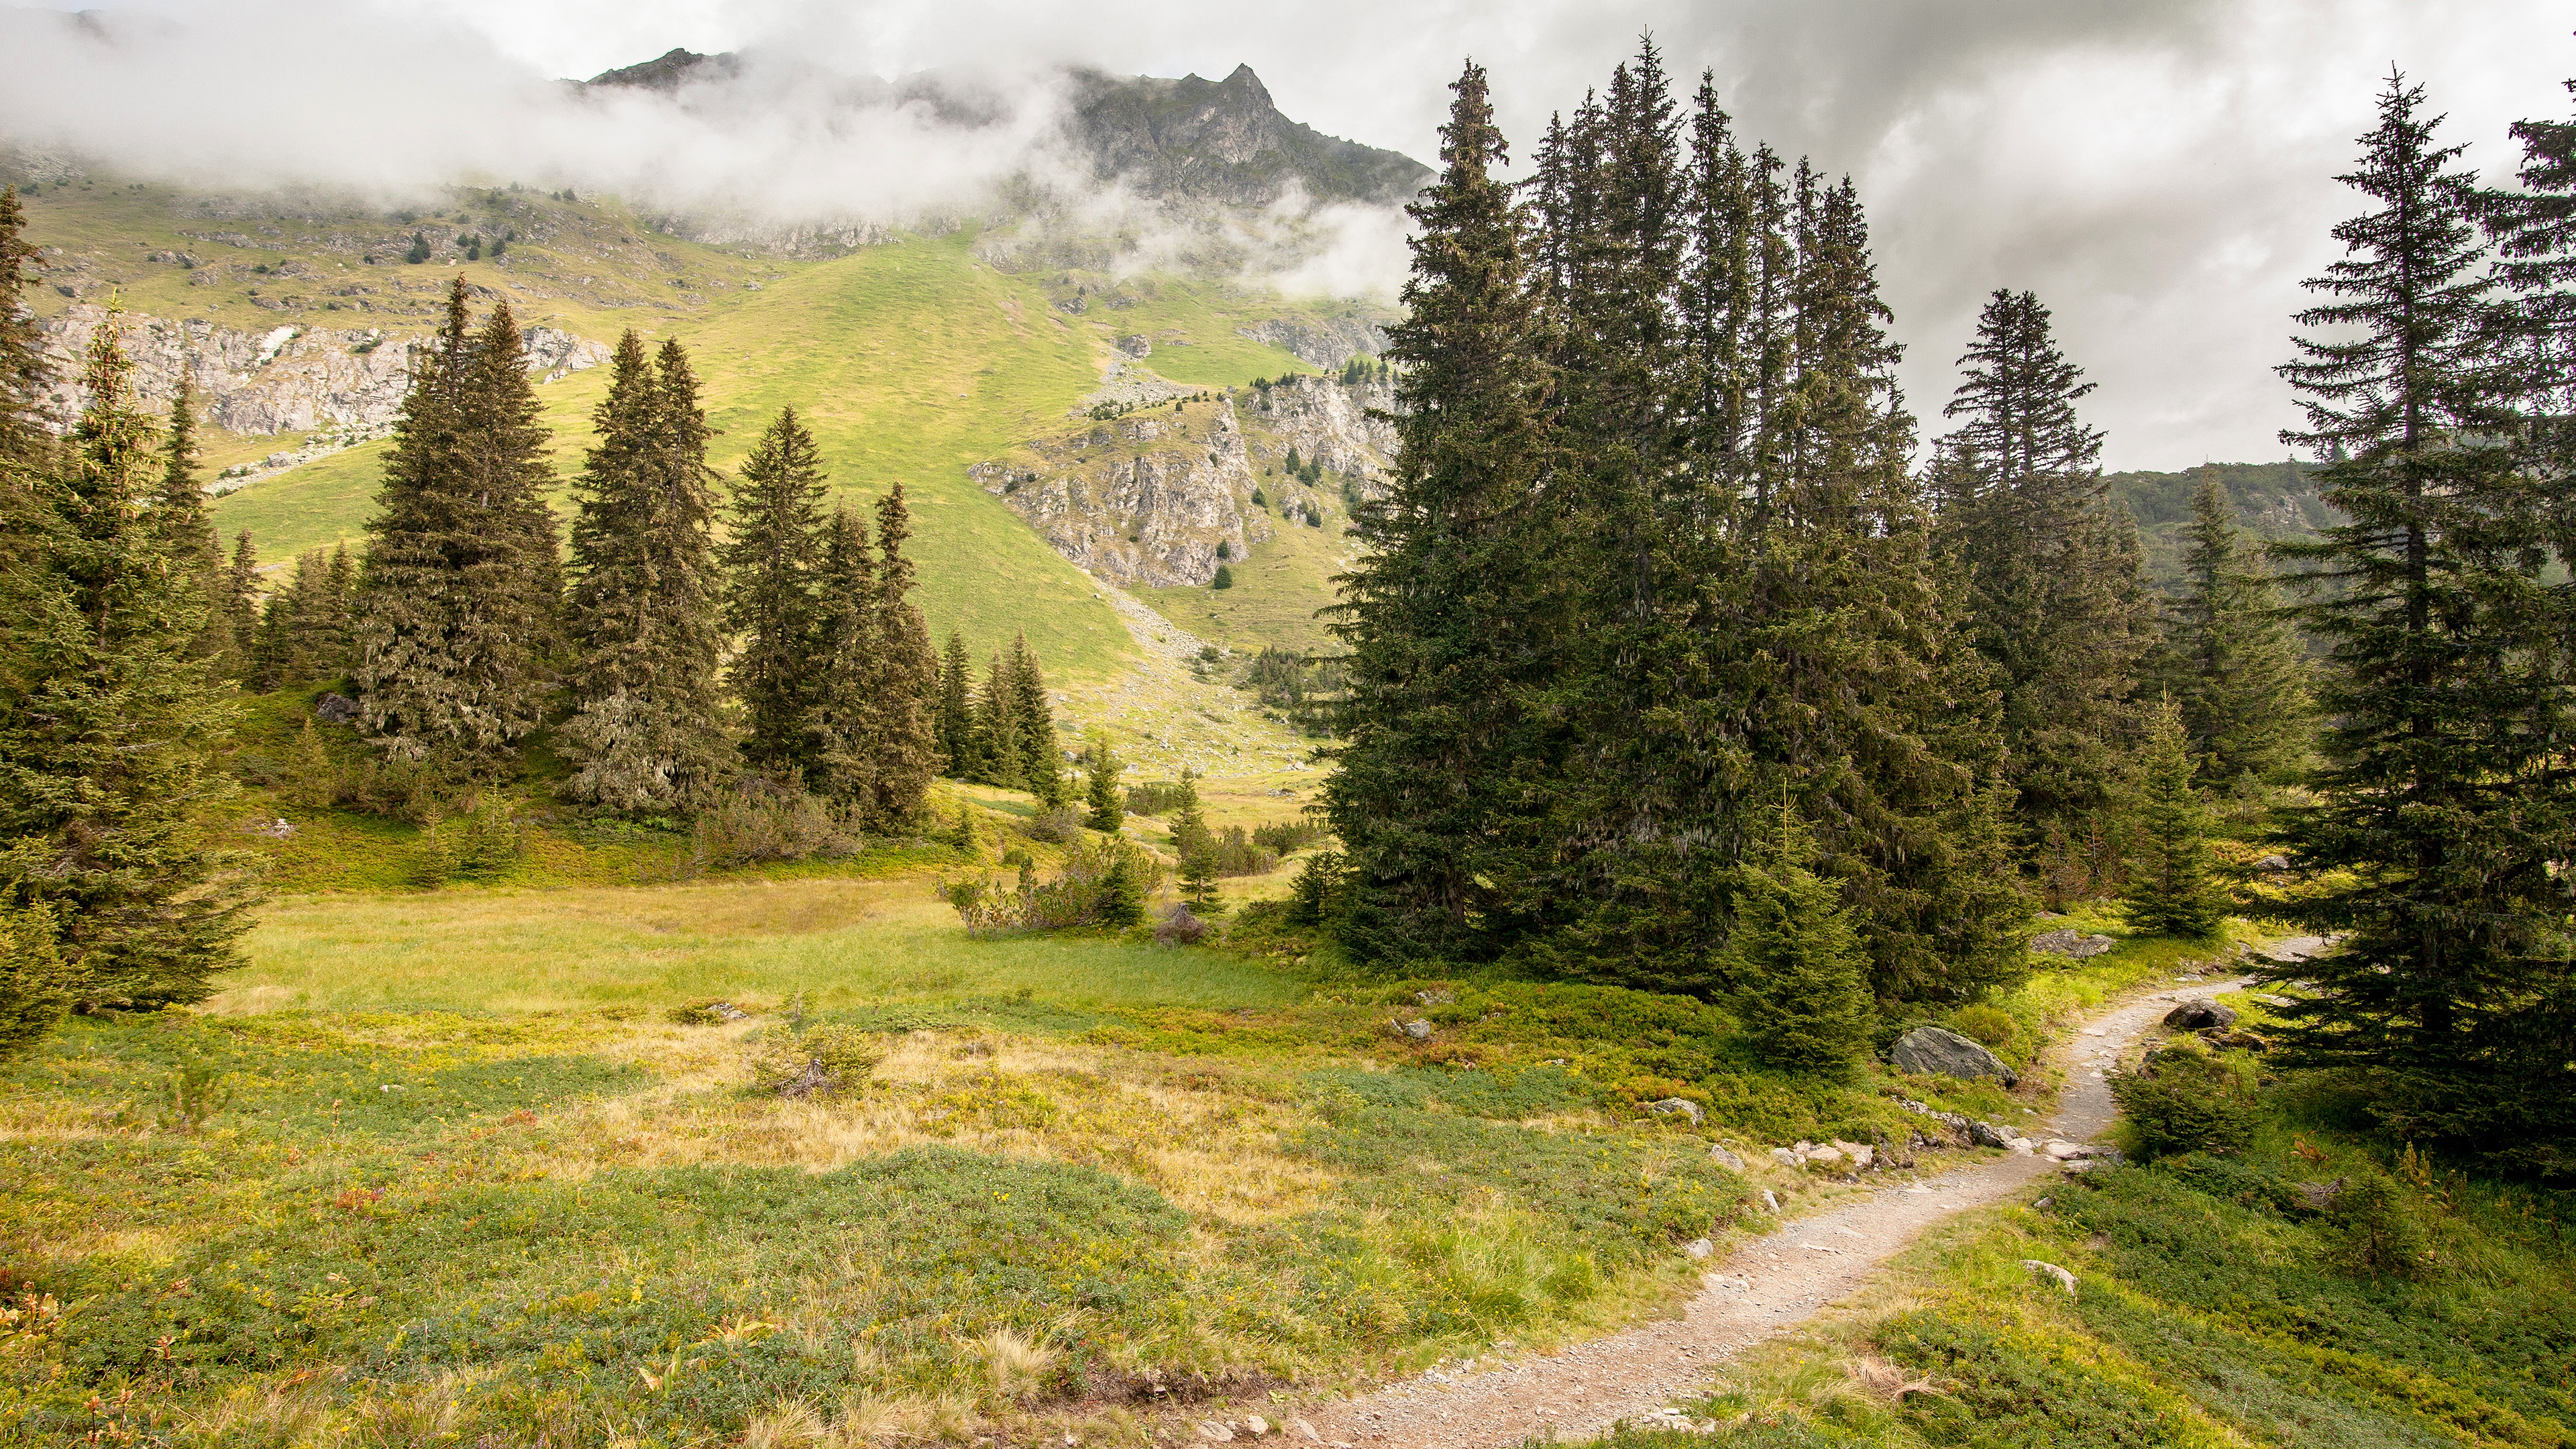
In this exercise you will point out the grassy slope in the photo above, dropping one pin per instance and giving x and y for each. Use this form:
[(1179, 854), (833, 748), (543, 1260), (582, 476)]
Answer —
[(875, 348)]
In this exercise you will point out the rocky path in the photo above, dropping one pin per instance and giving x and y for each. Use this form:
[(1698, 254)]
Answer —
[(1770, 1284)]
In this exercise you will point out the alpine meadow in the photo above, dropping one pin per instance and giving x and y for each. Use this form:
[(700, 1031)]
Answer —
[(893, 738)]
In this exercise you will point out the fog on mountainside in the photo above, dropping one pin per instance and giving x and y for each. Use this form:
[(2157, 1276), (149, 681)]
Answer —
[(756, 147)]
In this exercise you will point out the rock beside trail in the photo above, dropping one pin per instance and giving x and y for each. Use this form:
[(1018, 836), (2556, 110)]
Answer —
[(2051, 1272), (2200, 1013), (1682, 1106), (1726, 1159), (2065, 941), (1939, 1051)]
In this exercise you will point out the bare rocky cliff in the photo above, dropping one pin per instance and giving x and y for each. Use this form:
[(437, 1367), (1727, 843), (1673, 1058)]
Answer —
[(1149, 498), (288, 379)]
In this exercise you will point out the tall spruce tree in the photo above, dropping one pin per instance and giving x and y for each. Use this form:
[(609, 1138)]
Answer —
[(997, 730), (194, 550), (906, 743), (2233, 666), (1106, 803), (24, 443), (2447, 803), (773, 576), (954, 715), (1435, 612), (457, 596), (647, 730), (2171, 891), (241, 608), (844, 708), (2056, 603), (1041, 758), (108, 726)]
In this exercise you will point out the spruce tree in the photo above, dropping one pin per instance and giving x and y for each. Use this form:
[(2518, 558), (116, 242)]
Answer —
[(997, 730), (773, 564), (195, 551), (2056, 603), (241, 608), (1797, 965), (1106, 801), (457, 596), (845, 703), (24, 443), (905, 743), (1041, 758), (647, 729), (2170, 891), (2446, 806), (1436, 611), (2235, 671), (954, 718), (36, 985), (1189, 822), (108, 726)]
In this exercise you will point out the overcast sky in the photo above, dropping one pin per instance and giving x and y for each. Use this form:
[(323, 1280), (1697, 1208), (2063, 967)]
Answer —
[(2159, 171)]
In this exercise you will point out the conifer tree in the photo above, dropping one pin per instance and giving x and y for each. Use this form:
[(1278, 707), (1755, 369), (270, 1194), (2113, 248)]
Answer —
[(24, 443), (954, 718), (108, 726), (1797, 965), (457, 596), (36, 986), (998, 746), (905, 743), (1041, 759), (189, 540), (241, 608), (845, 699), (647, 728), (1435, 612), (2171, 892), (2235, 670), (304, 630), (773, 564), (1107, 803), (2447, 802), (2056, 604)]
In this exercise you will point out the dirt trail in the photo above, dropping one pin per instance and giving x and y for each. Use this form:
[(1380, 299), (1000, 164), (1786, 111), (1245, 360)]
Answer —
[(1769, 1284)]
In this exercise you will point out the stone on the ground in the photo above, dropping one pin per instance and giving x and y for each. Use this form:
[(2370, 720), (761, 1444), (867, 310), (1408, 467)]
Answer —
[(1699, 1247), (335, 709), (1211, 1429), (1770, 1201), (1257, 1424), (1726, 1159), (1987, 1134), (1786, 1157), (1939, 1051), (1826, 1155), (2067, 941), (1418, 1030), (2275, 1002), (2273, 863), (1671, 1105), (2021, 1146), (2050, 1271), (1305, 1431), (2200, 1012), (1859, 1153)]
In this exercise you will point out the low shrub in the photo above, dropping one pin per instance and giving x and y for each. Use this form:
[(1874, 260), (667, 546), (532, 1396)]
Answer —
[(1287, 837), (2183, 1099), (481, 843), (1978, 1021), (825, 1058), (1056, 825), (2379, 1228), (1180, 926), (1104, 883), (1154, 797), (743, 827), (1234, 853)]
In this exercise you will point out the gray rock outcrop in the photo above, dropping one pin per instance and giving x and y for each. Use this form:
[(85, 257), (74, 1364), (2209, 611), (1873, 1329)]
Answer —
[(2199, 1014), (2067, 942), (1939, 1051)]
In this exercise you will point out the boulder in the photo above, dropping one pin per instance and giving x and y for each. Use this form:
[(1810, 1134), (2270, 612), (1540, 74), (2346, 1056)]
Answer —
[(1939, 1051), (1418, 1030), (1682, 1106), (2050, 1272), (1211, 1430), (1987, 1134), (1135, 346), (335, 709), (1726, 1159), (2273, 863), (1826, 1155), (1770, 1201), (2064, 941), (1859, 1153), (1784, 1156), (1699, 1247), (2200, 1013)]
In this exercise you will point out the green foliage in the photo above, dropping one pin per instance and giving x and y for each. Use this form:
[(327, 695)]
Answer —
[(458, 593), (1103, 882), (1106, 810), (1224, 578), (773, 559), (2379, 1226), (303, 633), (1314, 897), (2015, 1394), (751, 824), (2437, 837), (107, 724), (1978, 1021), (1795, 963), (646, 735), (36, 987), (825, 1057), (482, 843), (2171, 891), (2229, 658), (2185, 1099)]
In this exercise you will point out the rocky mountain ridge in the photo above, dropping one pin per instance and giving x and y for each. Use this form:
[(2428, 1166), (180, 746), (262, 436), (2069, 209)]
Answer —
[(1188, 139)]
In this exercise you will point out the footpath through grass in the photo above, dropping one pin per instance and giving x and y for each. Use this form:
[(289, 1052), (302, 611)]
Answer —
[(2314, 1288)]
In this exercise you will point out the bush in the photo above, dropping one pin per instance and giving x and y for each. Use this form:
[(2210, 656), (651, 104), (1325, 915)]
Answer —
[(1224, 578), (1155, 797), (824, 1058), (35, 985), (1991, 1025), (744, 826), (1180, 927), (481, 843), (1055, 826), (2185, 1100), (1231, 852), (1289, 836), (1104, 883), (2379, 1228), (1314, 894)]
